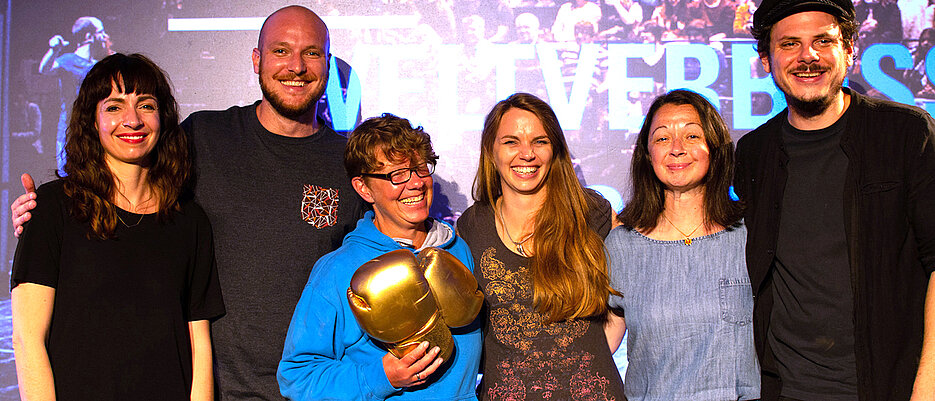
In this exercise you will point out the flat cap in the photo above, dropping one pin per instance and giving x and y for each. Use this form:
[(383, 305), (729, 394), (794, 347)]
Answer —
[(772, 11)]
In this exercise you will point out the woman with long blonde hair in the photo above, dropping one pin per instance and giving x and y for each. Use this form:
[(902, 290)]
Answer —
[(536, 237)]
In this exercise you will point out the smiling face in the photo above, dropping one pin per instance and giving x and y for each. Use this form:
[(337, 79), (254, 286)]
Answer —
[(677, 148), (400, 211), (292, 61), (522, 153), (808, 59), (128, 127)]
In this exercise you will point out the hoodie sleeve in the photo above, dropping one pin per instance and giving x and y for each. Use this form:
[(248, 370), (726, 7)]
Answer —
[(316, 359)]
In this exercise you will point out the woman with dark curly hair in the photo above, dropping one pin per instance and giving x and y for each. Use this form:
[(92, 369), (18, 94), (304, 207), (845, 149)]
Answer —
[(114, 283)]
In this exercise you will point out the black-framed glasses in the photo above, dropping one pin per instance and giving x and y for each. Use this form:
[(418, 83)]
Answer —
[(402, 175)]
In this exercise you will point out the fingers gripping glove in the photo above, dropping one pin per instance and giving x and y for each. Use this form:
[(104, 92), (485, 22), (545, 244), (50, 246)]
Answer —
[(453, 286), (393, 302)]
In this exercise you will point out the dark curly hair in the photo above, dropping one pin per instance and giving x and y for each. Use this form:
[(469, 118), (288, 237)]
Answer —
[(648, 193), (88, 182)]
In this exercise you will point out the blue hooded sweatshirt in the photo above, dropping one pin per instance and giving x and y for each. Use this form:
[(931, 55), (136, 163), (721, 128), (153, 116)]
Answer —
[(327, 356)]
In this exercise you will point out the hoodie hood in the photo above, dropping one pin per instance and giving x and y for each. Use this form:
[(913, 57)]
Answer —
[(441, 235)]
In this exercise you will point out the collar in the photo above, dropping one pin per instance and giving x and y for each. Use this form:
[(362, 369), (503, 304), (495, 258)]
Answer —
[(438, 235)]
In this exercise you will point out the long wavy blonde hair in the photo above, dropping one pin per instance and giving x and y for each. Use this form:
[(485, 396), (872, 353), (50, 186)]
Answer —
[(569, 270)]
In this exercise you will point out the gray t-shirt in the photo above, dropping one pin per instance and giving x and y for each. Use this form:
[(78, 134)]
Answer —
[(276, 204)]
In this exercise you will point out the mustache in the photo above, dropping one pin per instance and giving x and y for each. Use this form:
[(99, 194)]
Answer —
[(294, 77), (810, 68)]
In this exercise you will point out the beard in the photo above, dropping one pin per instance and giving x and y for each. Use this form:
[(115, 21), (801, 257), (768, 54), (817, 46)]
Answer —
[(292, 112), (813, 107), (810, 108)]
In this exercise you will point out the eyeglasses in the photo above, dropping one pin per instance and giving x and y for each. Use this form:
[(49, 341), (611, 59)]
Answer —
[(402, 176)]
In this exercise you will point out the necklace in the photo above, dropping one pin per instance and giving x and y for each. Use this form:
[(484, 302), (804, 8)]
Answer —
[(687, 240), (129, 226), (518, 245), (138, 207)]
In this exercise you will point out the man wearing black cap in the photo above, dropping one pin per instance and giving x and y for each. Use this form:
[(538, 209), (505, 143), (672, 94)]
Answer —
[(838, 191)]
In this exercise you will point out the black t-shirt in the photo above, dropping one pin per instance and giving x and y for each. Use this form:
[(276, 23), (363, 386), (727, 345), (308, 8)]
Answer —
[(812, 324), (119, 328)]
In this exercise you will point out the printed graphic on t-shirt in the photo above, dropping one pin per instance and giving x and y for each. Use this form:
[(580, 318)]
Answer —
[(541, 361), (320, 206)]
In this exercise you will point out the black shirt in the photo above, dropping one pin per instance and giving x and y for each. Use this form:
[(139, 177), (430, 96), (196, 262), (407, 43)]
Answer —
[(119, 328), (812, 331)]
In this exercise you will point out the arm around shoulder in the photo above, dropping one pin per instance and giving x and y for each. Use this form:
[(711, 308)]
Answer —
[(23, 204), (601, 217)]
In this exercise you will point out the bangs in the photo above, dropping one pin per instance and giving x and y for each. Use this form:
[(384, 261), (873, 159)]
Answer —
[(134, 76), (126, 74)]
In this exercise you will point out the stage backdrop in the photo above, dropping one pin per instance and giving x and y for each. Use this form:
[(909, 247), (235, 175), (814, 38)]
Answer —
[(440, 63)]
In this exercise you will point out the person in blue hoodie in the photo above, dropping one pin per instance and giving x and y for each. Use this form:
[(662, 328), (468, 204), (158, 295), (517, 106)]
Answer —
[(327, 355)]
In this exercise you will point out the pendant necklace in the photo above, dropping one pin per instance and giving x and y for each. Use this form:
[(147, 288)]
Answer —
[(518, 245), (687, 240)]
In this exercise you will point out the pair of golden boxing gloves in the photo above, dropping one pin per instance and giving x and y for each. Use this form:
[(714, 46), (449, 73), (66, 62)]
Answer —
[(401, 299)]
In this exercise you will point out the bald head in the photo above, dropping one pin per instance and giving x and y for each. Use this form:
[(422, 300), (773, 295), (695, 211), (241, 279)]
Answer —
[(294, 17), (292, 61)]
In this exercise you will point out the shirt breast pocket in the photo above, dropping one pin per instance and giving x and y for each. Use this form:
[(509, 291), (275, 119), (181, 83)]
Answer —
[(873, 188), (883, 204), (736, 299)]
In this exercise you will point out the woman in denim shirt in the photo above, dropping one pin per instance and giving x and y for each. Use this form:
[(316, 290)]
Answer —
[(678, 261)]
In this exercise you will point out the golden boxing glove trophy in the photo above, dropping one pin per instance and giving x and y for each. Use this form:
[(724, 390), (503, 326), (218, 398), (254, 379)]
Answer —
[(402, 300)]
